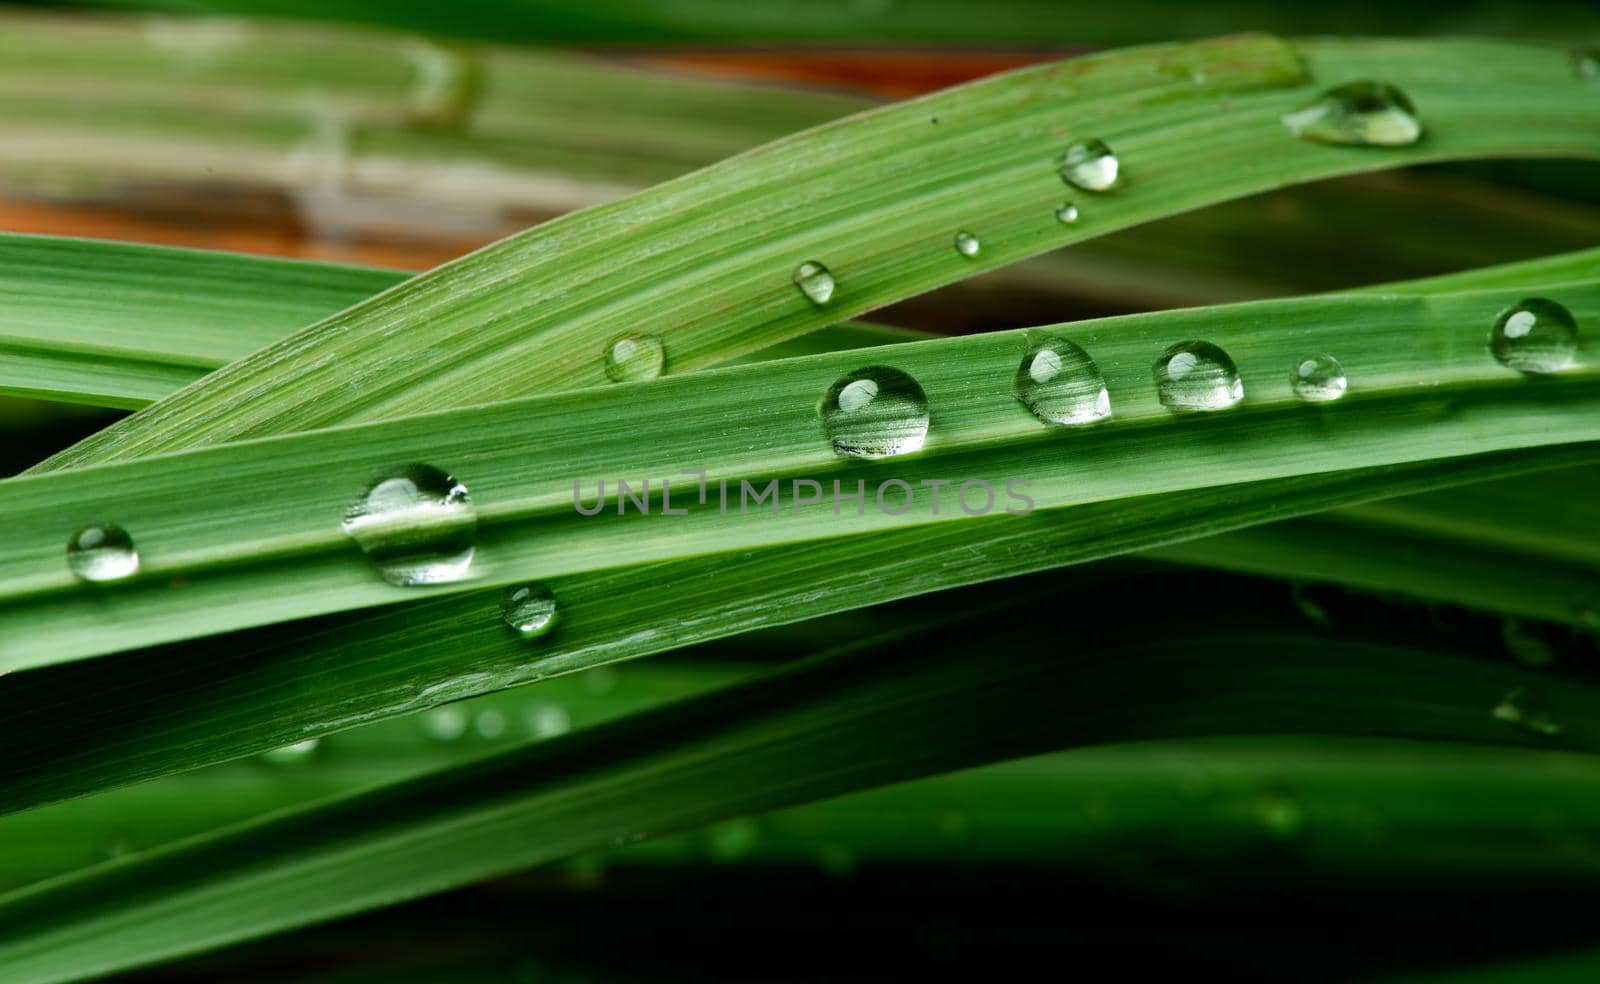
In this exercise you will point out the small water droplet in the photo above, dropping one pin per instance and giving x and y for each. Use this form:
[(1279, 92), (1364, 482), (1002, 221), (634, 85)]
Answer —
[(1586, 64), (1535, 335), (530, 609), (102, 552), (490, 724), (446, 723), (1318, 379), (1090, 165), (1366, 113), (815, 281), (300, 751), (635, 359), (1513, 710), (967, 244), (875, 412), (417, 525), (1060, 383), (1197, 375), (1066, 213), (549, 720)]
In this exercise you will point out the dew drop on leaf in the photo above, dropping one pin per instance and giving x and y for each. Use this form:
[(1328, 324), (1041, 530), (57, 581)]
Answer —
[(1318, 379), (1362, 114), (1060, 383), (417, 525), (102, 552), (1197, 376), (1534, 336), (635, 359), (1090, 165), (815, 281), (875, 412), (967, 244), (1066, 213), (529, 609)]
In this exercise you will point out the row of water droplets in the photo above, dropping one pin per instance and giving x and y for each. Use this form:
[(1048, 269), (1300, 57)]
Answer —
[(1357, 114), (418, 525)]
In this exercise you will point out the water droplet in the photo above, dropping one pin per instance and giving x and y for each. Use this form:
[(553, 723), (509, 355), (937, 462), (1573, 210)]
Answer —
[(875, 412), (635, 359), (417, 526), (815, 281), (489, 724), (1586, 64), (1514, 711), (102, 552), (1066, 213), (1318, 379), (1060, 383), (530, 609), (1197, 376), (1090, 165), (300, 751), (549, 720), (967, 244), (1370, 114), (1535, 336), (445, 723)]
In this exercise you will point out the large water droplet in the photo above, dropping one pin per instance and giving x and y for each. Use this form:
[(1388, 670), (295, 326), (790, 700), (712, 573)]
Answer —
[(1586, 64), (1066, 213), (815, 281), (300, 751), (417, 526), (1090, 165), (967, 244), (1318, 379), (635, 359), (875, 412), (1372, 114), (102, 552), (1535, 336), (1197, 376), (530, 609), (1060, 383)]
